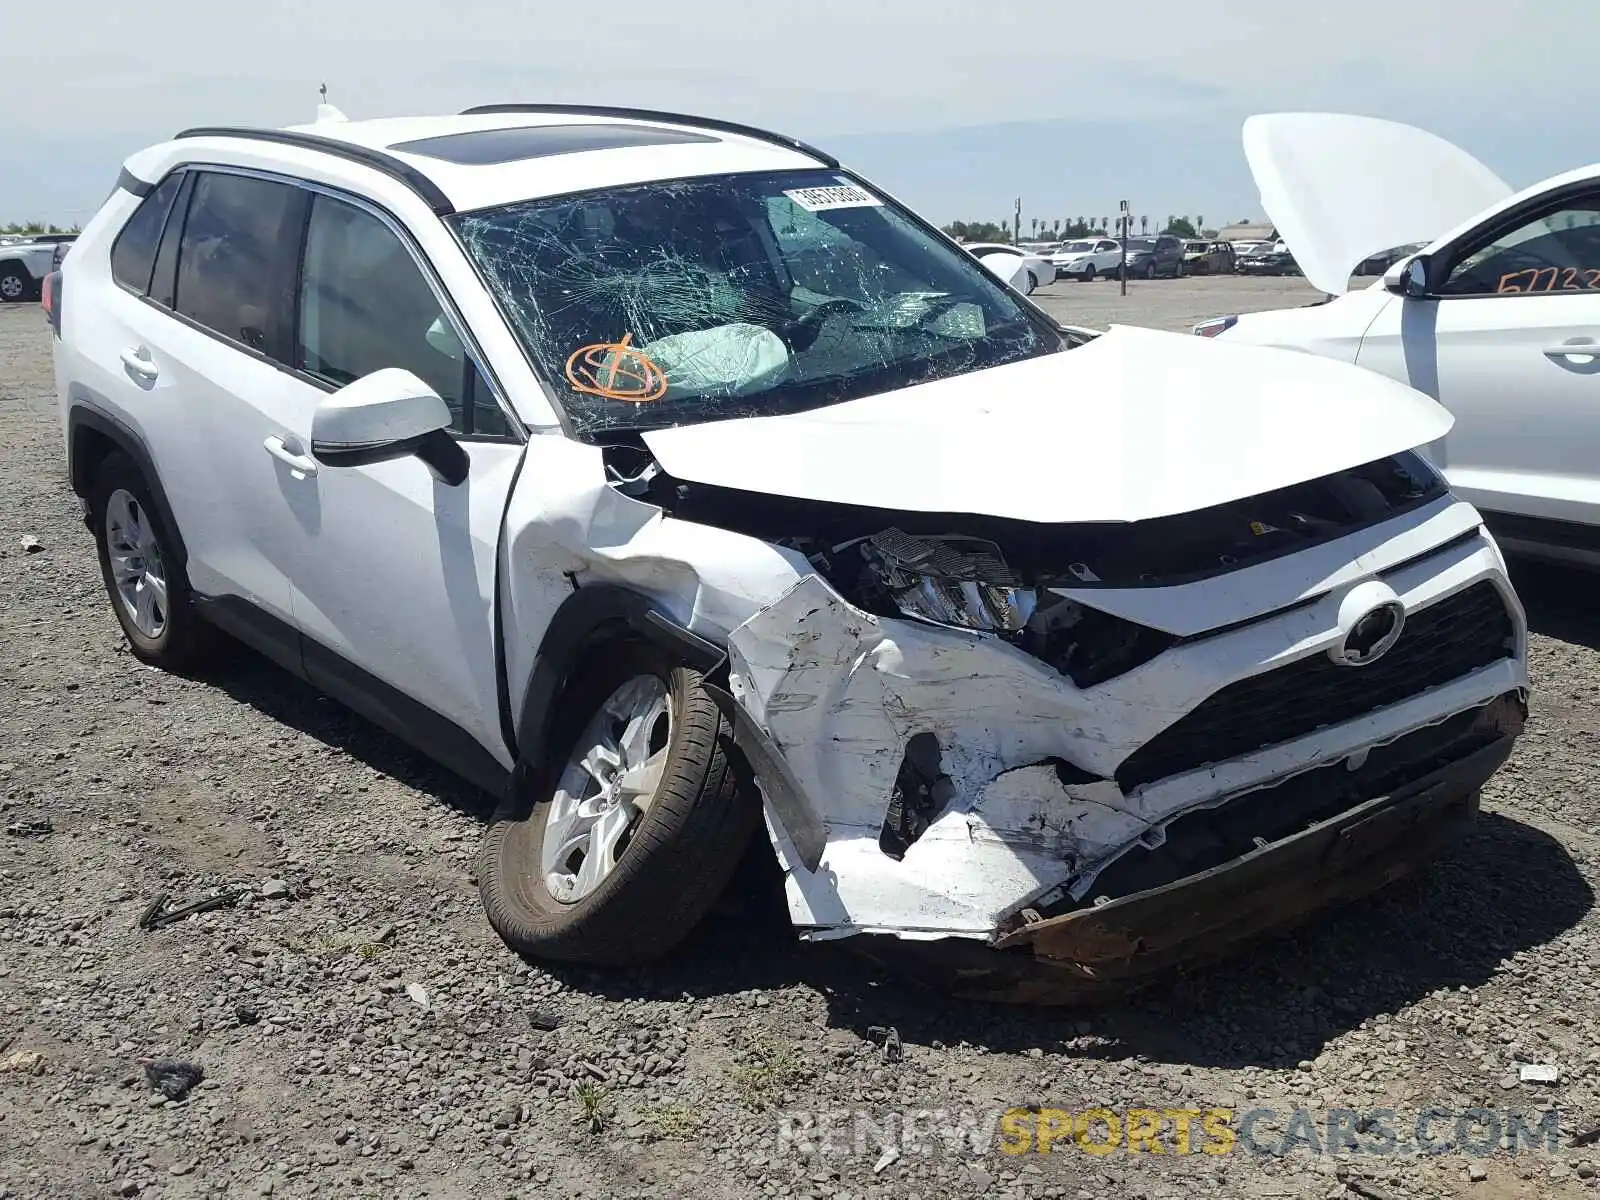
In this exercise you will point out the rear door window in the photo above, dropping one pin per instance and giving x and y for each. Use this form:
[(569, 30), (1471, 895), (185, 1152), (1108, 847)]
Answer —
[(236, 263)]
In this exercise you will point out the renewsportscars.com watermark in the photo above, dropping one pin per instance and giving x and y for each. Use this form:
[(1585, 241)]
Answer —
[(1262, 1131)]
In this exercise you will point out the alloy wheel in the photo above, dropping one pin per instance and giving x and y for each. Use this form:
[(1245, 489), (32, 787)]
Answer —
[(606, 788), (137, 567)]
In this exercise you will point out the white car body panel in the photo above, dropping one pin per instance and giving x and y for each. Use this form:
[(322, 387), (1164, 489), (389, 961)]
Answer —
[(1105, 259), (439, 591), (1524, 441), (1012, 265), (1164, 424), (1342, 188), (35, 257), (397, 575)]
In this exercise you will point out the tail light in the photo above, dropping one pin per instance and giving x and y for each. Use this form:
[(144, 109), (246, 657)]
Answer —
[(50, 298)]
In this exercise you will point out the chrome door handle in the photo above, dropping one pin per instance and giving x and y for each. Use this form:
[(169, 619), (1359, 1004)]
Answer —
[(275, 446)]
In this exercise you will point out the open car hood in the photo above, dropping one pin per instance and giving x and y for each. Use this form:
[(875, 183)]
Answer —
[(1133, 425), (1342, 188)]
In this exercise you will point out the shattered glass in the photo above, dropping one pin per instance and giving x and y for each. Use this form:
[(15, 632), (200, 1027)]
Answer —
[(740, 295)]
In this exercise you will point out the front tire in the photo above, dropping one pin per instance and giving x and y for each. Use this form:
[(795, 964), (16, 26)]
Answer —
[(615, 853), (147, 585), (1088, 274)]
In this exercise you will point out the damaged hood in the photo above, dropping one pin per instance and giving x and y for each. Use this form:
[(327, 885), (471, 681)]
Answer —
[(1134, 425), (1342, 188)]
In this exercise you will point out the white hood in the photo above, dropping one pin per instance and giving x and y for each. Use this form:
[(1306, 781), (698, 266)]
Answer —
[(1136, 424), (1342, 188)]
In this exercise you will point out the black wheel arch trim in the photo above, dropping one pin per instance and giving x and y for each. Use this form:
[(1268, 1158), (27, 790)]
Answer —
[(80, 417), (591, 616)]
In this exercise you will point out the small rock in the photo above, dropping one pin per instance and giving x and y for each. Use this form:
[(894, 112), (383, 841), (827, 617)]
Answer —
[(275, 889), (1477, 1172), (174, 1080), (1508, 1082), (127, 1187), (23, 1062), (418, 994), (544, 1019), (31, 545), (889, 1156), (245, 1015)]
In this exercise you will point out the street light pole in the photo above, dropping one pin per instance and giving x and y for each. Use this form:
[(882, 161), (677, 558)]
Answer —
[(1125, 221)]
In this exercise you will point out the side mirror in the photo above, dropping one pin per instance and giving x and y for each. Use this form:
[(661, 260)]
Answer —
[(1408, 277), (387, 414)]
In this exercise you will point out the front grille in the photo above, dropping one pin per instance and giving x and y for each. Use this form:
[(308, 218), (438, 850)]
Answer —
[(1441, 643)]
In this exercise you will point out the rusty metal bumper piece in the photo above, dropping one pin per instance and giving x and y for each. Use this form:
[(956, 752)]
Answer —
[(1098, 953)]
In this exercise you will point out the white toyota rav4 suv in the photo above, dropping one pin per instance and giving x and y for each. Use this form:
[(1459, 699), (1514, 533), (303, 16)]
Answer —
[(674, 483)]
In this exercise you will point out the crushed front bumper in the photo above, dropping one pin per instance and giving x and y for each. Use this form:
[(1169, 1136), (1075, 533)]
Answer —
[(1104, 951)]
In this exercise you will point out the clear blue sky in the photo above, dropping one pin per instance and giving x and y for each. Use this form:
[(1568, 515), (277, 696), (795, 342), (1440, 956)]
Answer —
[(958, 108)]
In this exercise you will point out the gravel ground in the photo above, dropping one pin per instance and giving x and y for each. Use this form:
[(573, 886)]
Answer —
[(362, 1033)]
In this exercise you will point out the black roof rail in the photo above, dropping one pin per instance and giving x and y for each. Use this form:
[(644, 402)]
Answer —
[(365, 155), (666, 118)]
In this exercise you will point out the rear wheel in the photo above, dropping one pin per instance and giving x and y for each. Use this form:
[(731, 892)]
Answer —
[(14, 283), (147, 585), (617, 852)]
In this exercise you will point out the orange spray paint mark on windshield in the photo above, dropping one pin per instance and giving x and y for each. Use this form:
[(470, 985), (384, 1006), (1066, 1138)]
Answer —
[(616, 371)]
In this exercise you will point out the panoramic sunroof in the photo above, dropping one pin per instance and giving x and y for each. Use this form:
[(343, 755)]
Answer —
[(489, 147)]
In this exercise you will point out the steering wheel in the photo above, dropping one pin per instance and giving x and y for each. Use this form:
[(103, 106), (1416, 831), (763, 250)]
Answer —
[(802, 333)]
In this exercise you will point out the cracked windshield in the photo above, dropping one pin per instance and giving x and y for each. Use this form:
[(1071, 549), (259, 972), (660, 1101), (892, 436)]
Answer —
[(745, 295)]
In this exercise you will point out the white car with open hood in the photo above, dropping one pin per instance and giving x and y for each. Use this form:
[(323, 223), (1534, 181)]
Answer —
[(680, 487), (1497, 318)]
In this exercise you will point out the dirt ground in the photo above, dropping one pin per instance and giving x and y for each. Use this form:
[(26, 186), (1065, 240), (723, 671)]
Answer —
[(363, 1033)]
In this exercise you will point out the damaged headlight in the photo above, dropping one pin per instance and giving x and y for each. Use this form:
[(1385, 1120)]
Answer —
[(956, 581)]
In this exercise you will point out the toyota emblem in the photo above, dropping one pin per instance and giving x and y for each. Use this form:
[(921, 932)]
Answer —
[(1372, 635)]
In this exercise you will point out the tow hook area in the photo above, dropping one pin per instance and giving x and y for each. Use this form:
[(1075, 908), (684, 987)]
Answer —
[(1108, 949)]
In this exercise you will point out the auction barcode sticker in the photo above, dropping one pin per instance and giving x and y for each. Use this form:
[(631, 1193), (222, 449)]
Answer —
[(843, 195)]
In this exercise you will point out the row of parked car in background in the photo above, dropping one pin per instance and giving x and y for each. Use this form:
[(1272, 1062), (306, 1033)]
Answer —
[(1163, 256)]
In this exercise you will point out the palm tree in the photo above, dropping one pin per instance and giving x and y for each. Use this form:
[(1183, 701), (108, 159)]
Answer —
[(1144, 224)]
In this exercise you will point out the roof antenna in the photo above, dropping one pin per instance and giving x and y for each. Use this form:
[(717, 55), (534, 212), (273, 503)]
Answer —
[(326, 111)]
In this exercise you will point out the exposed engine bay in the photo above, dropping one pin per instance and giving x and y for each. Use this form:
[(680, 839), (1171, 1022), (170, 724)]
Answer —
[(993, 575)]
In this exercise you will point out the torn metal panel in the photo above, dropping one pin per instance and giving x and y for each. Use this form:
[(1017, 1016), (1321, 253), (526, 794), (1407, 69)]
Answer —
[(567, 524), (841, 694)]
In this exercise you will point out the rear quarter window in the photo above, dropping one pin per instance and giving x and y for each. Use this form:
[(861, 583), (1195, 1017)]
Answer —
[(133, 254)]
